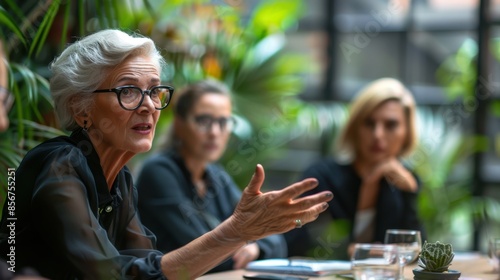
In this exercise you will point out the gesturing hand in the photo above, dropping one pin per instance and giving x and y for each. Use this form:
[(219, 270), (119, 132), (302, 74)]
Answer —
[(256, 216), (260, 214)]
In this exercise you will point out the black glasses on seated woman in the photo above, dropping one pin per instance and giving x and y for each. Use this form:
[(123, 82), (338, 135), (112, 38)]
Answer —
[(131, 97), (205, 122)]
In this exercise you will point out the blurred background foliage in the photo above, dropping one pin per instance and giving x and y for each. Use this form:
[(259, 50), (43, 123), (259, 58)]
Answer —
[(450, 164), (247, 51), (199, 40)]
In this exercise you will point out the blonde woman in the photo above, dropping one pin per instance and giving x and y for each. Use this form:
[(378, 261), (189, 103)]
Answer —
[(373, 189)]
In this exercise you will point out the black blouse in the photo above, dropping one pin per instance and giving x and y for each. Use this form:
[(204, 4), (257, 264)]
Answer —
[(170, 206), (69, 225), (395, 209)]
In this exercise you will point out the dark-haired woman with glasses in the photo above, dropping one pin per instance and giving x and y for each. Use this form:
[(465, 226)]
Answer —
[(72, 212), (183, 192)]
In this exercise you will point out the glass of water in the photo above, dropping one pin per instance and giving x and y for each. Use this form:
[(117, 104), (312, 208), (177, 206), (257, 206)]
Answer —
[(375, 262), (409, 244)]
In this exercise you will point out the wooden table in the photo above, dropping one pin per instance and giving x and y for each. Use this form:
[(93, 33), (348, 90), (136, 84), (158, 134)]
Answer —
[(473, 266)]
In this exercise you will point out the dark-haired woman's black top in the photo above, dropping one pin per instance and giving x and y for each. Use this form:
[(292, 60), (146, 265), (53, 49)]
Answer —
[(68, 225), (395, 209)]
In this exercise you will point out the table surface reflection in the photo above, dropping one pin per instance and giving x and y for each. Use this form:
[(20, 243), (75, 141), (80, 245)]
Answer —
[(473, 266)]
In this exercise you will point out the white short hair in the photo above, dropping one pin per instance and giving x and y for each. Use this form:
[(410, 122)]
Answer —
[(83, 66)]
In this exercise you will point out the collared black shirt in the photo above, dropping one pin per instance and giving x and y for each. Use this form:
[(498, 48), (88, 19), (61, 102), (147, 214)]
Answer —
[(395, 209), (69, 225)]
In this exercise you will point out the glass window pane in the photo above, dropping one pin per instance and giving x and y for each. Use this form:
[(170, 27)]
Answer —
[(494, 78), (445, 14), (429, 52), (315, 13), (366, 15), (312, 47), (361, 59), (495, 9)]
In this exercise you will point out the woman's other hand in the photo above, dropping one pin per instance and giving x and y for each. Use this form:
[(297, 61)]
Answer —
[(395, 173)]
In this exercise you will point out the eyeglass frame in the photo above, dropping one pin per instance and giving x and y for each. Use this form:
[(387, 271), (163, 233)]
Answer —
[(207, 128), (118, 91), (8, 101)]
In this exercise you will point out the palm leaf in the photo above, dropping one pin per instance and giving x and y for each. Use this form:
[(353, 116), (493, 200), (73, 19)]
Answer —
[(43, 30), (8, 21)]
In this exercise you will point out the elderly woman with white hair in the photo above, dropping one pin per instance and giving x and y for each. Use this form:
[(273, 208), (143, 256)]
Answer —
[(75, 211), (373, 190)]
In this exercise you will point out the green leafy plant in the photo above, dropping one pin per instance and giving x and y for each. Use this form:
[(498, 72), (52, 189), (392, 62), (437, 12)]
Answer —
[(462, 211), (246, 49), (436, 257)]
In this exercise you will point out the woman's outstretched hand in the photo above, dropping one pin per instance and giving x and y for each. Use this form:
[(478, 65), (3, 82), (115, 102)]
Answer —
[(256, 216), (260, 214)]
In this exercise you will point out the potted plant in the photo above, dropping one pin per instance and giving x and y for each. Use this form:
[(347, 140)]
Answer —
[(434, 261)]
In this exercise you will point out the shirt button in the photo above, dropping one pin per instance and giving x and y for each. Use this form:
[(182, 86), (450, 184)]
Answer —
[(109, 208)]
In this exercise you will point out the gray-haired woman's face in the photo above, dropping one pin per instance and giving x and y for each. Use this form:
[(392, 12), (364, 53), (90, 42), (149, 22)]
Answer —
[(383, 133), (120, 129)]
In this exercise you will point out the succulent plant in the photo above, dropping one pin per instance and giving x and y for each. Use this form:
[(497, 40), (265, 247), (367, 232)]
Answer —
[(436, 257)]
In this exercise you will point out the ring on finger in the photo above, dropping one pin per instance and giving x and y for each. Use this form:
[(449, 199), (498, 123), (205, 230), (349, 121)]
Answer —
[(298, 223)]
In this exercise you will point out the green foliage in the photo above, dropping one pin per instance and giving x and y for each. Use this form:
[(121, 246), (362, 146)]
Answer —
[(442, 160), (436, 257), (458, 72), (452, 191), (7, 21), (30, 119), (246, 50)]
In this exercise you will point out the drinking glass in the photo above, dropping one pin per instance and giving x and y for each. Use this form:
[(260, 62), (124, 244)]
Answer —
[(409, 244), (375, 262)]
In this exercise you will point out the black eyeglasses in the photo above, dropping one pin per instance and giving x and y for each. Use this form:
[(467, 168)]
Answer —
[(7, 98), (204, 123), (131, 97)]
